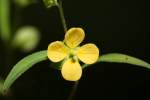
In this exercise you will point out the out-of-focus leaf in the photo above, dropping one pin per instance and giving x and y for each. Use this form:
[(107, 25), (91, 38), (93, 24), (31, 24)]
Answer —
[(22, 66), (121, 58), (26, 38), (5, 20), (24, 3), (50, 3)]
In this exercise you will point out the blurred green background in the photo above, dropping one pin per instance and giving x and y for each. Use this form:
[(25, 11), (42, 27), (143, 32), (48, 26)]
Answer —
[(114, 25)]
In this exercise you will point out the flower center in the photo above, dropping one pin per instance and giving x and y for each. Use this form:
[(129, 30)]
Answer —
[(72, 55)]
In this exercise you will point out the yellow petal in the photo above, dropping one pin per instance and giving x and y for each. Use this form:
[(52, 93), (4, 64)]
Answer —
[(71, 70), (57, 51), (88, 53), (74, 37)]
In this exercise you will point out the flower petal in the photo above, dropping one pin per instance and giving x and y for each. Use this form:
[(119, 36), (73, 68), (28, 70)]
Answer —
[(57, 51), (74, 37), (71, 70), (88, 53)]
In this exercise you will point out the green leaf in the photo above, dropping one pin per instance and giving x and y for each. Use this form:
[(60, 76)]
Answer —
[(50, 3), (56, 65), (5, 19), (22, 66), (121, 58)]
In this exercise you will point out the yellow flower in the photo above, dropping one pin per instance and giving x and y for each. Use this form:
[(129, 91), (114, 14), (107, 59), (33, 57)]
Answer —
[(72, 53)]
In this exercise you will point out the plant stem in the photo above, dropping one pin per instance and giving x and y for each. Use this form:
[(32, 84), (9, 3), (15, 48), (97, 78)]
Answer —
[(5, 21), (5, 32), (74, 88), (59, 5), (73, 91)]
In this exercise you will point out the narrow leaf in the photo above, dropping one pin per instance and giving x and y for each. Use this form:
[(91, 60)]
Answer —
[(121, 58), (22, 66)]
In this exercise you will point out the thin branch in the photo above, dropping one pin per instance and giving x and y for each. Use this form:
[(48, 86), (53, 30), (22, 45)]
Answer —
[(73, 91), (62, 15)]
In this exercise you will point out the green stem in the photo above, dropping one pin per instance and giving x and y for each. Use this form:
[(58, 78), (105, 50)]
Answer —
[(5, 32), (73, 91), (59, 5), (5, 20), (60, 8)]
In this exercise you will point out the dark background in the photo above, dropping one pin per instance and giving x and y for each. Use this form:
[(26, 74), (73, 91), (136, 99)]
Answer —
[(114, 25)]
